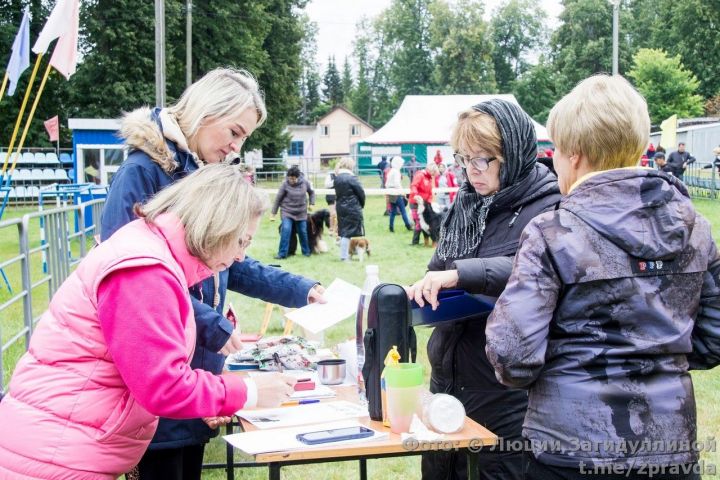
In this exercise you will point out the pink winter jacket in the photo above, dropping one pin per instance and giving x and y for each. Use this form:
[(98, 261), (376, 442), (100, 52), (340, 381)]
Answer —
[(79, 406)]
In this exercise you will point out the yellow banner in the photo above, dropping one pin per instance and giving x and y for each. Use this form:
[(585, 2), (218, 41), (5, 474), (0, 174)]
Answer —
[(668, 138)]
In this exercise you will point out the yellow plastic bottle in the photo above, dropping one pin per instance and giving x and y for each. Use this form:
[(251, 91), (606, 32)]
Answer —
[(392, 359)]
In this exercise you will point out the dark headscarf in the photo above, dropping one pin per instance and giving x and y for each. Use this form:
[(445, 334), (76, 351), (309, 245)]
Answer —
[(463, 227), (519, 143)]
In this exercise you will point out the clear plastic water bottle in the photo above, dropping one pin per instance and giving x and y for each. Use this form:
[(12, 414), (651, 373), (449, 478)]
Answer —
[(372, 280)]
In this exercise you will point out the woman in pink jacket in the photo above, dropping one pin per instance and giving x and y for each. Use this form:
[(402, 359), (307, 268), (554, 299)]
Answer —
[(112, 352)]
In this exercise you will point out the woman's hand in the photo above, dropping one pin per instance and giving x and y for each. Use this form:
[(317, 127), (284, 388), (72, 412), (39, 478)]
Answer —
[(273, 389), (215, 422), (315, 295), (429, 286), (234, 344)]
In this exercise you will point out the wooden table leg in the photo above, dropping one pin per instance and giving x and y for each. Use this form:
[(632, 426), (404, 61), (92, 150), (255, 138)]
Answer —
[(266, 318)]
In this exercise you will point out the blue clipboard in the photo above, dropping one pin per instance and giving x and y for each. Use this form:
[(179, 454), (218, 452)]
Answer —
[(454, 305)]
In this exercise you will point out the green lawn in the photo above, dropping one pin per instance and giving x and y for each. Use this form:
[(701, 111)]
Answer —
[(399, 262)]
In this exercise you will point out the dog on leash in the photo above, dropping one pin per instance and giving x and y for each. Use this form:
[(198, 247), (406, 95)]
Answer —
[(359, 246), (429, 220), (316, 224)]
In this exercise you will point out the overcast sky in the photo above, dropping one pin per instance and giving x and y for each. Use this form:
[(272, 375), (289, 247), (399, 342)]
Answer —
[(336, 21)]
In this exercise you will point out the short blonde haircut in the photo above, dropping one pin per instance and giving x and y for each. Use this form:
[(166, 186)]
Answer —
[(475, 130), (220, 94), (603, 118), (345, 162), (215, 204)]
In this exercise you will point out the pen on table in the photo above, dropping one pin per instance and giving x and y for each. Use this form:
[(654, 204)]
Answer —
[(280, 366), (291, 403)]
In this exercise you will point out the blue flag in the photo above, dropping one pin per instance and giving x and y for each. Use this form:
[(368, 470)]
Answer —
[(20, 58)]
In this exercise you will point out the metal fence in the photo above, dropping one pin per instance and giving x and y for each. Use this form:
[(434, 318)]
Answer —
[(702, 180), (41, 264)]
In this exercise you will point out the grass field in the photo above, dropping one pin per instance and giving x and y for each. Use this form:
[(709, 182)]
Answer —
[(400, 263)]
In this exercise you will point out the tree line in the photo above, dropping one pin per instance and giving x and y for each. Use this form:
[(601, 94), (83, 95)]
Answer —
[(670, 50), (116, 72)]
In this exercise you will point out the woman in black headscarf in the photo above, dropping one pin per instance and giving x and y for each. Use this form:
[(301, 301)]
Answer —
[(504, 188)]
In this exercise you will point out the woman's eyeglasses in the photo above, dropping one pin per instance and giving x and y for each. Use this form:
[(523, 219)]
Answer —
[(480, 163)]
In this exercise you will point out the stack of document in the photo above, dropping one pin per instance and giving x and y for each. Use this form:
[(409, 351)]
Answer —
[(303, 414), (285, 439)]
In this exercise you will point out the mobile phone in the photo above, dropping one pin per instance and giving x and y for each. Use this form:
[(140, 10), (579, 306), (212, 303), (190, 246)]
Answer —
[(334, 435)]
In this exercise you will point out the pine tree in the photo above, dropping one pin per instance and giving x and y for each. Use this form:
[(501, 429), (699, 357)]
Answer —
[(332, 85)]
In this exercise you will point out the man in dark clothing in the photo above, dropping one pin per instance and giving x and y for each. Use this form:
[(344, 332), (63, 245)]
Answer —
[(382, 166), (678, 161)]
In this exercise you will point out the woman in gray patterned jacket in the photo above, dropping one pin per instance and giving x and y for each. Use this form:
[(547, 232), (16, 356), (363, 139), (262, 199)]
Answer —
[(612, 299)]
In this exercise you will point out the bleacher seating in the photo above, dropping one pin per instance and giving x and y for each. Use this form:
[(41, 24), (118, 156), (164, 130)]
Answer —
[(35, 171), (61, 174)]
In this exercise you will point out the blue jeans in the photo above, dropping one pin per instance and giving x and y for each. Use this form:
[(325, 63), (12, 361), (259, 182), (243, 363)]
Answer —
[(286, 231), (344, 247), (399, 206)]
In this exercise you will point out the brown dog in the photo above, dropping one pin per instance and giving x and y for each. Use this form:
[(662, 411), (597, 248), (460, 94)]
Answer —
[(359, 246)]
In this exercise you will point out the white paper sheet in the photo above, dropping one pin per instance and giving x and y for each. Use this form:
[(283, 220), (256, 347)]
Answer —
[(280, 440), (342, 300), (302, 414)]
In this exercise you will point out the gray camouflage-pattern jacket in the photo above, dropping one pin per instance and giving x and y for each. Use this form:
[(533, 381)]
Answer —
[(612, 298)]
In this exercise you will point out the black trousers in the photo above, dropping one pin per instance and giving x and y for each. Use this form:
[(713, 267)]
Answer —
[(184, 463), (539, 471)]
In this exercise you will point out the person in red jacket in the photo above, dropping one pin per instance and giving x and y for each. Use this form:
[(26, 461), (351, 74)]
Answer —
[(421, 188)]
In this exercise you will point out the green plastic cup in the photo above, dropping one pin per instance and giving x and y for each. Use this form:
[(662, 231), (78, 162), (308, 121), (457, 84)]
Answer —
[(404, 375), (403, 385)]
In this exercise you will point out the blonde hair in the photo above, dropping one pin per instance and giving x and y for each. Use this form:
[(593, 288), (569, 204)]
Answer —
[(603, 118), (345, 162), (476, 130), (215, 205), (221, 93)]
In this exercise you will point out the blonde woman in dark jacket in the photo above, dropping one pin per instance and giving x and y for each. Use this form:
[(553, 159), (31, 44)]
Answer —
[(612, 299)]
